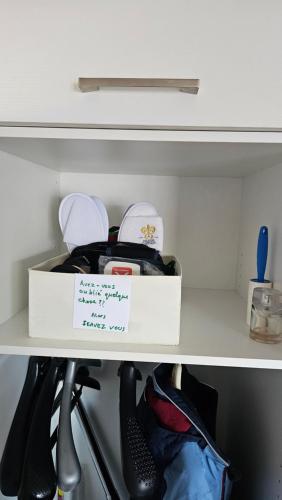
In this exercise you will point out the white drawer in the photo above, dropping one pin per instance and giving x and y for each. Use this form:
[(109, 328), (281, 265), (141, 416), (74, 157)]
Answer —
[(233, 47)]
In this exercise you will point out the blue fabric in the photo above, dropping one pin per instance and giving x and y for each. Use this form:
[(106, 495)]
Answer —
[(192, 465), (186, 406), (166, 444), (195, 474)]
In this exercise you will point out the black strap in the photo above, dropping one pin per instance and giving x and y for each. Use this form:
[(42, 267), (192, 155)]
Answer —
[(13, 455), (38, 475)]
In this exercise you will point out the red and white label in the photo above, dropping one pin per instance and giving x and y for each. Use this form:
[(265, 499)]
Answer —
[(123, 271)]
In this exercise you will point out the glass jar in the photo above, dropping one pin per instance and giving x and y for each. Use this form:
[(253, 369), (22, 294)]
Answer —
[(266, 316)]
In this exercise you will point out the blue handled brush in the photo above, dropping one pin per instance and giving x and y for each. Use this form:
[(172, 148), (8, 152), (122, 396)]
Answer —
[(262, 251)]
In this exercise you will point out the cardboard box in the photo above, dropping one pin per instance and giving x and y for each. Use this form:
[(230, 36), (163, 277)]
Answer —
[(154, 307)]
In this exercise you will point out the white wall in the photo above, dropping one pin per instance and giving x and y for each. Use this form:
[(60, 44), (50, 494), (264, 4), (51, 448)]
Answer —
[(261, 205), (209, 231), (28, 210)]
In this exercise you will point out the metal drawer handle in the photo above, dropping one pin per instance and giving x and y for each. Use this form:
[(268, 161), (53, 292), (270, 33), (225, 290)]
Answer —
[(188, 85)]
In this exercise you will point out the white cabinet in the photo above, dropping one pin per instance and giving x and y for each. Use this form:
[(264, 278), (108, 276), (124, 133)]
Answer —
[(211, 163), (233, 48), (207, 193), (214, 190)]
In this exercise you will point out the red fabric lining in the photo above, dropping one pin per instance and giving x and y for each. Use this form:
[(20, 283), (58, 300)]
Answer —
[(167, 414)]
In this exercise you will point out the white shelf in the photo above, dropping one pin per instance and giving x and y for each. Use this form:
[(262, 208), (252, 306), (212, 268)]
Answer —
[(213, 332), (28, 130), (176, 153)]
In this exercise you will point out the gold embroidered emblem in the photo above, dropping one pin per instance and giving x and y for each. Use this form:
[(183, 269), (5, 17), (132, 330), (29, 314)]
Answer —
[(148, 231)]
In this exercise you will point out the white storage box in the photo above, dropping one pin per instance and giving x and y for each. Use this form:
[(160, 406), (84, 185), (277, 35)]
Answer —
[(154, 316)]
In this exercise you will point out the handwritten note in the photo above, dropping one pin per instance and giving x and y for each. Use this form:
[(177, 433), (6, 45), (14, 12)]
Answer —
[(102, 302)]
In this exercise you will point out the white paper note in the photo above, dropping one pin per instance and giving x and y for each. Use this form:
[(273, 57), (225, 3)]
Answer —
[(102, 302)]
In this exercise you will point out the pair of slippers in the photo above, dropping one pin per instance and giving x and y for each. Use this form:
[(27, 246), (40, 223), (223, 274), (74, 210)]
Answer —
[(84, 219)]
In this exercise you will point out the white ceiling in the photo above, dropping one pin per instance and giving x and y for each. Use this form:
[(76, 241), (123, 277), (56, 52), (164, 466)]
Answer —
[(158, 158)]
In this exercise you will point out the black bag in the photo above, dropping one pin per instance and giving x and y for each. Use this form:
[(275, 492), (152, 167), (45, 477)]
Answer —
[(91, 253)]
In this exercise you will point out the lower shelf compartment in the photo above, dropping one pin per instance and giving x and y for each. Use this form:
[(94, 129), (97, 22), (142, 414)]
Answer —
[(213, 332)]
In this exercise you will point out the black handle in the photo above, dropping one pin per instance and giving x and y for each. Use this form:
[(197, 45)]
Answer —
[(39, 476), (90, 382), (13, 455), (139, 469)]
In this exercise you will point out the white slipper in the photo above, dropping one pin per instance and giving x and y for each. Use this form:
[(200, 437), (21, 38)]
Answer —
[(141, 224), (140, 208), (104, 214), (147, 230), (83, 219)]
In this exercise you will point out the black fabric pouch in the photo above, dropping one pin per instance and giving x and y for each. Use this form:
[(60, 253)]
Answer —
[(93, 251)]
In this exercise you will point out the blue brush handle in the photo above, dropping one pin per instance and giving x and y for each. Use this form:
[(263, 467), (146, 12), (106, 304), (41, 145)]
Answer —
[(262, 253)]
